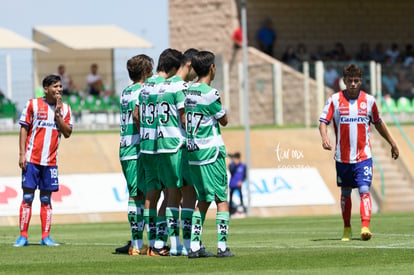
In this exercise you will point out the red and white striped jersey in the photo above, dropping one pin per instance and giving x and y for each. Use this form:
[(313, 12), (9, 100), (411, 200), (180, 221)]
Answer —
[(43, 135), (352, 119)]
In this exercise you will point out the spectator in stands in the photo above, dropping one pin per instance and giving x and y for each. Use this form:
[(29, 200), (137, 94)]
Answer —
[(67, 83), (289, 57), (405, 86), (408, 58), (331, 75), (94, 81), (320, 54), (266, 37), (364, 53), (378, 55), (339, 53), (389, 81), (237, 38), (302, 53), (393, 52)]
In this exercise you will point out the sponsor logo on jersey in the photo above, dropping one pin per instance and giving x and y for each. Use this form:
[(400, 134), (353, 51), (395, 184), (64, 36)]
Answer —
[(193, 92), (189, 103), (47, 124), (344, 111), (42, 114), (347, 119)]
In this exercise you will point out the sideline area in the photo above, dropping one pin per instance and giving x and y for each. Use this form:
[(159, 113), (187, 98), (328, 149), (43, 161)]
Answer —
[(97, 153)]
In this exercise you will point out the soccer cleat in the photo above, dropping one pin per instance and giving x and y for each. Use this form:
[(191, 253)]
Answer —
[(124, 249), (135, 251), (365, 234), (196, 254), (346, 237), (225, 253), (48, 242), (176, 252), (21, 241), (184, 251), (201, 253), (155, 252)]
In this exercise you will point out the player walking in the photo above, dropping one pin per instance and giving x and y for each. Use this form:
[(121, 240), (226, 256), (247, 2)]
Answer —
[(42, 121), (206, 154), (352, 111)]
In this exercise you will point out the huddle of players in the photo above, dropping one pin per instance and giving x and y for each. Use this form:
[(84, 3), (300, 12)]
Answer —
[(170, 142)]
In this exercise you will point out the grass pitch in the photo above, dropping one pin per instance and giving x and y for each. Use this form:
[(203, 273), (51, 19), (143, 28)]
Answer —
[(290, 245)]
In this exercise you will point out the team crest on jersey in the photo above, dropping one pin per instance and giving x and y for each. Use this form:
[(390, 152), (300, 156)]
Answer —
[(362, 110), (42, 114)]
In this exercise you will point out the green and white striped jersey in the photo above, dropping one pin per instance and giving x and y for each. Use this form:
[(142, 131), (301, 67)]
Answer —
[(171, 135), (147, 102), (129, 142), (203, 109)]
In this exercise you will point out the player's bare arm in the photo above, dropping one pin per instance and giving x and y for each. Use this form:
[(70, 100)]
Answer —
[(223, 120), (24, 130), (64, 128), (135, 116), (326, 142), (181, 112), (382, 129)]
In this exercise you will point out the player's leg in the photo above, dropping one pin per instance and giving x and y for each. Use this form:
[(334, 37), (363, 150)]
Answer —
[(345, 182), (171, 178), (160, 245), (198, 177), (197, 222), (135, 215), (189, 198), (232, 209), (346, 207), (48, 183), (25, 215), (363, 171), (218, 180), (153, 191), (30, 181), (239, 188)]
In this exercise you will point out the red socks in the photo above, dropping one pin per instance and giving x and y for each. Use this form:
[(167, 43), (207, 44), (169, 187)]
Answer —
[(346, 206), (365, 209), (46, 219), (24, 217)]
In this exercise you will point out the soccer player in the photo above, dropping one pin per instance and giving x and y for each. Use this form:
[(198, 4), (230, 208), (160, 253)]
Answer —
[(146, 114), (170, 146), (43, 121), (206, 154), (352, 111), (139, 68)]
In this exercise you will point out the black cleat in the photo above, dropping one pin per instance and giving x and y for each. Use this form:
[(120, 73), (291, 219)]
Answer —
[(225, 253), (124, 249)]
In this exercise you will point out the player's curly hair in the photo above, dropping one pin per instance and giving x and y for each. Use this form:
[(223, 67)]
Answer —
[(139, 67), (352, 70)]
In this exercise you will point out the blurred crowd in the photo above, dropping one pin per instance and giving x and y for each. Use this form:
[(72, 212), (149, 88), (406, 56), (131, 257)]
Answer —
[(397, 64)]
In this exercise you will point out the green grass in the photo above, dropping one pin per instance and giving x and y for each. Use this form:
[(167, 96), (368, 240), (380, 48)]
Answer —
[(290, 245)]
